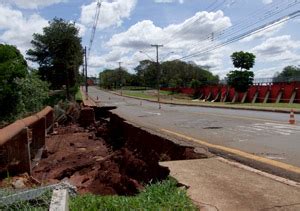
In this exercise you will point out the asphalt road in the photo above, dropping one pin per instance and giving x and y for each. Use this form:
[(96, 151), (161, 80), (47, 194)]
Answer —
[(266, 134)]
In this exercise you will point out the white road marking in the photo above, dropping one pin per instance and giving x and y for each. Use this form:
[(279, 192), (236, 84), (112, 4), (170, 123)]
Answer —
[(275, 157), (270, 128), (153, 113)]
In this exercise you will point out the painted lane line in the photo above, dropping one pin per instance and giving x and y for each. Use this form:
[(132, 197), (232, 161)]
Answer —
[(239, 117), (274, 163), (153, 113)]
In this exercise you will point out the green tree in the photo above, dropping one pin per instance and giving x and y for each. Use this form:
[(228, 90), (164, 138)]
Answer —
[(243, 60), (59, 53), (12, 67), (114, 78), (146, 71), (195, 84), (289, 73), (241, 79)]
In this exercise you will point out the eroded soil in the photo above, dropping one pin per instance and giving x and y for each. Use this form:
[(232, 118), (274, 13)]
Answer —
[(83, 157)]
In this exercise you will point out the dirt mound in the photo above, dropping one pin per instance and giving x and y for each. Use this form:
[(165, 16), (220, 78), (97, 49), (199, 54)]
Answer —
[(83, 157)]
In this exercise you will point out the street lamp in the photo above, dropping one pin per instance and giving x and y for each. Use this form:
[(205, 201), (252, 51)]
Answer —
[(163, 59)]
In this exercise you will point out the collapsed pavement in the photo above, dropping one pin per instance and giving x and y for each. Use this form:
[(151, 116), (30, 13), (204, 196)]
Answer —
[(103, 154)]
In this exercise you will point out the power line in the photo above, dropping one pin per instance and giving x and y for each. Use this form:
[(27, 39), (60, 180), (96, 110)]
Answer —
[(274, 9), (246, 34), (246, 27)]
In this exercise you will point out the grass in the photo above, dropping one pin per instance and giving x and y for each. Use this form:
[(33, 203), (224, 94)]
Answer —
[(274, 105), (146, 94), (160, 196), (78, 95), (167, 96)]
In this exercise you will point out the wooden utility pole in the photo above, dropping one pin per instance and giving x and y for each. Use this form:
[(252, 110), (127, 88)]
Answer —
[(85, 67), (158, 74), (121, 78)]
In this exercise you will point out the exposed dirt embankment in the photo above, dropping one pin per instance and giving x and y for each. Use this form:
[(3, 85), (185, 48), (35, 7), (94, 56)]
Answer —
[(113, 157)]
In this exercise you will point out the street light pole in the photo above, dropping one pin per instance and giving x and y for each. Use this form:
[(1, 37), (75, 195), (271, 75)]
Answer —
[(158, 74)]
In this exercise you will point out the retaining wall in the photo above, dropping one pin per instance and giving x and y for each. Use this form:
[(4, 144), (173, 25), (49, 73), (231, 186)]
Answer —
[(268, 93), (21, 141)]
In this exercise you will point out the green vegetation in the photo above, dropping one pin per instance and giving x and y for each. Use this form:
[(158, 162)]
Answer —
[(160, 196), (41, 203), (241, 80), (146, 94), (180, 98), (59, 53), (21, 91), (173, 74), (78, 95), (12, 67), (114, 78), (288, 74)]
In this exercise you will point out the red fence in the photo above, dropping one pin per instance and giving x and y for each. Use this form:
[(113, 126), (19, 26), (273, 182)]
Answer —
[(276, 92)]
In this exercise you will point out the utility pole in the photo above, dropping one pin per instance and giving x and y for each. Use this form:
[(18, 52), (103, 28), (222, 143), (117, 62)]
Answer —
[(85, 67), (120, 63), (158, 74)]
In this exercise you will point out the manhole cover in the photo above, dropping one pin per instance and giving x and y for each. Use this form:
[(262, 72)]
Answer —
[(212, 128)]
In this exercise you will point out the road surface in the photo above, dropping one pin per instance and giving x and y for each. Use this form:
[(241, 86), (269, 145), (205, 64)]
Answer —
[(265, 134)]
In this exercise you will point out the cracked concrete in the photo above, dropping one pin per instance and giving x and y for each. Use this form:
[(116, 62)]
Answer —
[(218, 185)]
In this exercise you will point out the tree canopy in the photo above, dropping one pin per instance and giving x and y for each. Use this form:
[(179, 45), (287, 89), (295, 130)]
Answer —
[(288, 74), (173, 74), (21, 91), (243, 60), (241, 80), (12, 67), (59, 53), (114, 78)]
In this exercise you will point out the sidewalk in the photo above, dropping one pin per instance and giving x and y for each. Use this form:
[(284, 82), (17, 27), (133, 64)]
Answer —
[(217, 184), (87, 100)]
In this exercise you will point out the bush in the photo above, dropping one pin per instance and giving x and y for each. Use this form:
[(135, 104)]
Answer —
[(33, 93)]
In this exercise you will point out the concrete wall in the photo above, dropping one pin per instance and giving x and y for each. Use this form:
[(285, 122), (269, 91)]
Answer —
[(225, 92), (20, 141)]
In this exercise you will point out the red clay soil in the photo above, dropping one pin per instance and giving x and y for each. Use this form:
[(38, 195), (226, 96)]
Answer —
[(91, 165)]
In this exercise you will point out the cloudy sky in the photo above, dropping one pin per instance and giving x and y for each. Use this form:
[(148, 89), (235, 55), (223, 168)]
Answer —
[(205, 32)]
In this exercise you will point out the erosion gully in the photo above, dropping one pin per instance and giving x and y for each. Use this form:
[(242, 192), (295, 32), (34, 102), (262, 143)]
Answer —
[(110, 156)]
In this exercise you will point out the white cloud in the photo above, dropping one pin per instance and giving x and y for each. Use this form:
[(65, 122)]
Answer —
[(184, 38), (267, 1), (280, 48), (270, 31), (268, 72), (34, 4), (112, 13), (20, 32)]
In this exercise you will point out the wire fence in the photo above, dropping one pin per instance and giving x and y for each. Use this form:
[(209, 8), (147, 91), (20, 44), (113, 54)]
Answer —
[(31, 199), (270, 80)]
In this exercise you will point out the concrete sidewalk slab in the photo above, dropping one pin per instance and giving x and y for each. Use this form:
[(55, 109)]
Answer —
[(218, 185)]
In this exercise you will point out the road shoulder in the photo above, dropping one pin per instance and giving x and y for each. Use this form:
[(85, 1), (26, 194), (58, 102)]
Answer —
[(218, 185)]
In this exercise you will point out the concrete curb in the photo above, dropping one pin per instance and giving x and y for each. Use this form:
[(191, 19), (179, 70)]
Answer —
[(267, 165), (277, 110)]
